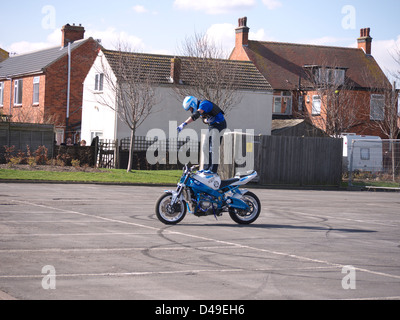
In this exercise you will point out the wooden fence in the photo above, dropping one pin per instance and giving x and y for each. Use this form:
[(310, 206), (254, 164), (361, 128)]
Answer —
[(290, 160)]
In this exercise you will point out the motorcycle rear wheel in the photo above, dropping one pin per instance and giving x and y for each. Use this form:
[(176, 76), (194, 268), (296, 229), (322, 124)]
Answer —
[(166, 213), (247, 217)]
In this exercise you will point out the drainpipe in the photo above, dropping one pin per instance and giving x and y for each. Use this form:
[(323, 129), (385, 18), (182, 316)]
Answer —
[(11, 90), (68, 90)]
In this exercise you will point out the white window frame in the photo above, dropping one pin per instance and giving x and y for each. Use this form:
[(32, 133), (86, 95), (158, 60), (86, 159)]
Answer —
[(59, 136), (36, 90), (316, 105), (18, 92), (279, 101), (365, 154), (94, 134), (286, 98), (99, 82), (1, 94), (377, 107), (331, 76)]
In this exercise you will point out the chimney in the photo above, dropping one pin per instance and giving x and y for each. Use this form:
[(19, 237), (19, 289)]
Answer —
[(365, 40), (242, 33), (3, 55), (176, 67), (71, 34)]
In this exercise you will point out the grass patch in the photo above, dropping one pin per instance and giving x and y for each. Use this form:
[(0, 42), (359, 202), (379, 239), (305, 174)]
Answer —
[(104, 175), (380, 184)]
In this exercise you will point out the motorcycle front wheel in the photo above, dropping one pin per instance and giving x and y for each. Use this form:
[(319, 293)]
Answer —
[(168, 214), (247, 217)]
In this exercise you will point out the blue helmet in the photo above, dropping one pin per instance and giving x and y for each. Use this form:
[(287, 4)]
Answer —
[(190, 102)]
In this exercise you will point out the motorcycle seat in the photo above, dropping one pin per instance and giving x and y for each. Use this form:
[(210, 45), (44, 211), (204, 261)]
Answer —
[(244, 174), (226, 183)]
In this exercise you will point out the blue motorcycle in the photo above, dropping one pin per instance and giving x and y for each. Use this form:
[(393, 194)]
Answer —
[(203, 193)]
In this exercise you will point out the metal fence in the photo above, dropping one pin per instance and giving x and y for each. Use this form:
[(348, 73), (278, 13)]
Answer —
[(115, 154), (374, 163), (143, 143)]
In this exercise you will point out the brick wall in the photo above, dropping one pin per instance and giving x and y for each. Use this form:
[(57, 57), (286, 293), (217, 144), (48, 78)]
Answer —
[(27, 111), (360, 101), (57, 82)]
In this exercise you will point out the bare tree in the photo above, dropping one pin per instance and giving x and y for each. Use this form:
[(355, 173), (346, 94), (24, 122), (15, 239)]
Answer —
[(335, 107), (36, 115), (131, 83), (207, 74), (386, 116)]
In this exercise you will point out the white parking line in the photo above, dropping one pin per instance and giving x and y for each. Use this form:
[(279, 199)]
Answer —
[(75, 234)]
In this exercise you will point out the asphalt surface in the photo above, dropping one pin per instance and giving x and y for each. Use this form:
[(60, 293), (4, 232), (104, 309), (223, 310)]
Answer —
[(104, 242)]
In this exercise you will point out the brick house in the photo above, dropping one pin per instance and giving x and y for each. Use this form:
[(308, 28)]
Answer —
[(305, 78), (39, 83)]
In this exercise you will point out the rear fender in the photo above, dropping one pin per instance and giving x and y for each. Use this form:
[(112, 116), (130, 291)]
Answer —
[(237, 203)]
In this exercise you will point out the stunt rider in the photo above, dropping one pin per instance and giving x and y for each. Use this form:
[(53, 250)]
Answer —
[(214, 117)]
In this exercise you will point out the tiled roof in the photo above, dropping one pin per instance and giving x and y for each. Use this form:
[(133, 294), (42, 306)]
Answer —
[(244, 73), (33, 62), (159, 66), (282, 64), (285, 123)]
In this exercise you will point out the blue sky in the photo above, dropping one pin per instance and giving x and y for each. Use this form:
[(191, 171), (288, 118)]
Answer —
[(160, 26)]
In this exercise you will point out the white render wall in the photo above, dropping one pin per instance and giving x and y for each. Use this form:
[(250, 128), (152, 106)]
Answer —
[(96, 116), (253, 112)]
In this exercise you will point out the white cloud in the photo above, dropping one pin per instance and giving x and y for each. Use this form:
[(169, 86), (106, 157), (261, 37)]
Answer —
[(260, 35), (53, 39), (110, 38), (384, 52), (140, 9), (272, 4), (223, 35), (214, 6)]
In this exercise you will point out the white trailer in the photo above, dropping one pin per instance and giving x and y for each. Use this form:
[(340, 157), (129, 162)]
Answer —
[(362, 153)]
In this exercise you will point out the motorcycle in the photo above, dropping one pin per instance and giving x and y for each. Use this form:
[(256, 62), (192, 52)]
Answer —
[(203, 194)]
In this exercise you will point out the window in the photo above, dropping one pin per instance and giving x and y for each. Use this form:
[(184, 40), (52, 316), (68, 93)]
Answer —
[(59, 136), (36, 82), (316, 105), (18, 86), (377, 111), (283, 104), (365, 154), (94, 134), (340, 76), (99, 80), (328, 75), (277, 104), (1, 94)]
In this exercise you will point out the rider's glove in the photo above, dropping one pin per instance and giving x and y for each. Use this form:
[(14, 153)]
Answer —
[(180, 128)]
